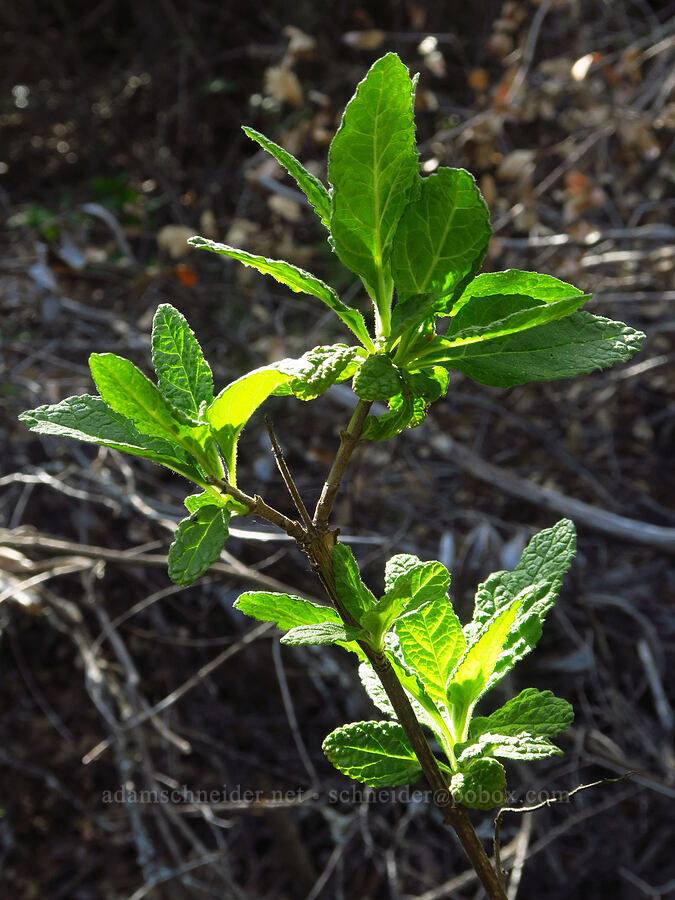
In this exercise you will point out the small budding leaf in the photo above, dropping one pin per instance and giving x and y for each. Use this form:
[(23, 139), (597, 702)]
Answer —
[(372, 166), (309, 184), (375, 753), (401, 414), (480, 785), (198, 543), (320, 368), (183, 375), (378, 378)]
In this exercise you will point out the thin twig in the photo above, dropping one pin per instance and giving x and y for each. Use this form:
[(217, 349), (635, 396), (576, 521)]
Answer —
[(257, 506), (549, 801), (286, 475)]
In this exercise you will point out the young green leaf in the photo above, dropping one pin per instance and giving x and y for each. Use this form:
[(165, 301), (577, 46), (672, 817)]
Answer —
[(323, 633), (576, 345), (198, 543), (401, 413), (357, 598), (183, 375), (374, 753), (541, 568), (432, 643), (539, 713), (480, 785), (372, 166), (513, 281), (485, 318), (234, 406), (129, 392), (90, 419), (378, 378), (297, 280), (415, 586), (284, 610), (398, 565), (469, 679), (320, 368), (309, 184), (442, 237), (374, 689), (210, 498), (516, 746)]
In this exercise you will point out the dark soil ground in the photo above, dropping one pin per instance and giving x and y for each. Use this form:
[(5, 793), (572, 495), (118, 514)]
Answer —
[(120, 135)]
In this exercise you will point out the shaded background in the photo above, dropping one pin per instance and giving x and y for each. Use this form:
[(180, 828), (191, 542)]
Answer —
[(120, 136)]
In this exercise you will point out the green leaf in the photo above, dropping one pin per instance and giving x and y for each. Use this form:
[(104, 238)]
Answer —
[(378, 378), (514, 281), (415, 586), (398, 565), (297, 280), (429, 385), (469, 679), (485, 318), (129, 392), (90, 419), (539, 713), (480, 785), (234, 406), (323, 633), (541, 568), (400, 415), (578, 344), (374, 689), (372, 166), (309, 184), (183, 375), (518, 746), (375, 753), (409, 311), (198, 543), (320, 368), (432, 643), (442, 237), (378, 695), (207, 498), (356, 597), (284, 610)]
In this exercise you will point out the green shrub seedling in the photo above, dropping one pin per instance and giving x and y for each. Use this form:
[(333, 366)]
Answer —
[(420, 240)]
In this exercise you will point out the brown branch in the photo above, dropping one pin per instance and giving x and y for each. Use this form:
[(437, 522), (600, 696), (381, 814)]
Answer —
[(348, 442), (257, 506), (286, 475)]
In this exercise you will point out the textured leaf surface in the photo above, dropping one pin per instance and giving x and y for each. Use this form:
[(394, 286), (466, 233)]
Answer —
[(356, 597), (442, 237), (296, 279), (183, 375), (378, 378), (400, 415), (198, 542), (285, 610), (375, 753), (412, 588), (234, 406), (432, 643), (378, 695), (542, 566), (322, 633), (539, 713), (398, 565), (90, 419), (372, 166), (517, 746), (480, 785), (319, 368), (309, 184), (576, 345)]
